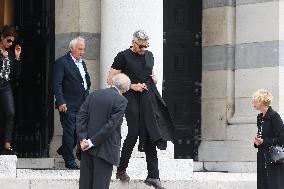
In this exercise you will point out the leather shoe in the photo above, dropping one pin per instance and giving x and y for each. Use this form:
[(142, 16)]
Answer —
[(9, 151), (122, 175), (72, 166), (154, 182)]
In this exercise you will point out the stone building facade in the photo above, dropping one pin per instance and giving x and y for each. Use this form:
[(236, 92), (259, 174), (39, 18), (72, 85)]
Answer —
[(242, 51)]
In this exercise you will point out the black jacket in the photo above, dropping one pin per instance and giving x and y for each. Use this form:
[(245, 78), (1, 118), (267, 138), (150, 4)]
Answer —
[(99, 119), (68, 84), (270, 176)]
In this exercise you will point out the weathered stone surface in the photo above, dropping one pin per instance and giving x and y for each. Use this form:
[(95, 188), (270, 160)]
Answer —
[(67, 16), (214, 122), (218, 26), (8, 166), (220, 57), (220, 87), (257, 22), (90, 16)]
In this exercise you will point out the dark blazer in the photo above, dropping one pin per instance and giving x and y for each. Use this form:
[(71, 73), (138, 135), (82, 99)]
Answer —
[(68, 84), (99, 119)]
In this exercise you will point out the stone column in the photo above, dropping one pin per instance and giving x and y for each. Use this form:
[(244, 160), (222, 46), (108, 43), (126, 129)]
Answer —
[(218, 34), (257, 63), (119, 20), (259, 48)]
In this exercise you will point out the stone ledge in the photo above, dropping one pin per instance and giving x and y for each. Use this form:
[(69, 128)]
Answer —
[(43, 179), (8, 166)]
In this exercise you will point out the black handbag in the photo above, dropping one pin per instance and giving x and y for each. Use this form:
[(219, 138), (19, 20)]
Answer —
[(276, 154)]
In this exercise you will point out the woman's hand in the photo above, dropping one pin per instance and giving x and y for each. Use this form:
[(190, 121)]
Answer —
[(4, 53), (139, 87), (18, 51), (154, 78), (258, 141)]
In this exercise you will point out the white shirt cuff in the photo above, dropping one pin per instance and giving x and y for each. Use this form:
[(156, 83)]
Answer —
[(90, 143)]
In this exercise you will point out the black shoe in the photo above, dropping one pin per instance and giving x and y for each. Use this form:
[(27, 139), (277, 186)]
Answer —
[(161, 144), (154, 182), (72, 166), (122, 175), (59, 151), (9, 151)]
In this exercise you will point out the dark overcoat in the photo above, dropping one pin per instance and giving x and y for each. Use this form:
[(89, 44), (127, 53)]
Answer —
[(99, 119), (270, 176)]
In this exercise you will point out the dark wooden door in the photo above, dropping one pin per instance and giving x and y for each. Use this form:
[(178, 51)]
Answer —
[(182, 72), (34, 20)]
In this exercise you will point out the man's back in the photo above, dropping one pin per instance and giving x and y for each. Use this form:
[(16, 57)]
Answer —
[(99, 120)]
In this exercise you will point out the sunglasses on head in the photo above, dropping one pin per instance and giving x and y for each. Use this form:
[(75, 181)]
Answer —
[(142, 46)]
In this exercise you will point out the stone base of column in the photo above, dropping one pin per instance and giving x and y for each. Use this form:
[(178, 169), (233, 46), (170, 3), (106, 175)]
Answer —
[(238, 147), (8, 166)]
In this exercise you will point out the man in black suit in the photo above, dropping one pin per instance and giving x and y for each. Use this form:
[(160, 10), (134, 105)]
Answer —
[(98, 127), (71, 83)]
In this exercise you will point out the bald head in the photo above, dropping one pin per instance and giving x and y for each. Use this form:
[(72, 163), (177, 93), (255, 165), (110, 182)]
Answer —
[(121, 82)]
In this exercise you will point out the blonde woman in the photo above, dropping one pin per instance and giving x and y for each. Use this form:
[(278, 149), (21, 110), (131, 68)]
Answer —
[(270, 132)]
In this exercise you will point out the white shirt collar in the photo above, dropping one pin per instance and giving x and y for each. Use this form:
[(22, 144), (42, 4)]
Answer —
[(74, 59), (117, 89)]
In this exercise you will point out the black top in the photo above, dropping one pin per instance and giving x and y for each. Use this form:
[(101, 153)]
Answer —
[(271, 128), (135, 67), (153, 120), (10, 68)]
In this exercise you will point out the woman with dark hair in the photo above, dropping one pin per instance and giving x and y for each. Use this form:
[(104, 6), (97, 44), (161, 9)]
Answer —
[(9, 70)]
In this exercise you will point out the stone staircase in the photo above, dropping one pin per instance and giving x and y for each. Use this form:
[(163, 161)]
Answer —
[(175, 174)]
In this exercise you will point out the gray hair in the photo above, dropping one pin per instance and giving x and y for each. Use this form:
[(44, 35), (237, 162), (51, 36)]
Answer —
[(73, 42), (140, 34), (121, 82)]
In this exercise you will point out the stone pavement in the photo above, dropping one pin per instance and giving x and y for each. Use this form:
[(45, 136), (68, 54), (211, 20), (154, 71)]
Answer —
[(68, 179), (175, 174)]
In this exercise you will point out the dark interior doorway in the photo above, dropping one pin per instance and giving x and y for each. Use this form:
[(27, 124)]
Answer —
[(34, 20), (182, 72)]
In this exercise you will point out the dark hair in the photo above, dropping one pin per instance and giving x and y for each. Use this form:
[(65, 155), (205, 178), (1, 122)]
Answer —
[(8, 31)]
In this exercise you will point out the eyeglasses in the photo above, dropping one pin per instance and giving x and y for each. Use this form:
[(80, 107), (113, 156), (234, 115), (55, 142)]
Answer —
[(141, 46), (10, 40)]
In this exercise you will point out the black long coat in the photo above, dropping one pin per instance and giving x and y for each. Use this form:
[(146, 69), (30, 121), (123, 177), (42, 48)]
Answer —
[(270, 176), (146, 111)]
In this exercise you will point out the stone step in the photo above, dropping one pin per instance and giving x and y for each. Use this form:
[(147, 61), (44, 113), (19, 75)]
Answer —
[(68, 179), (137, 166), (58, 163)]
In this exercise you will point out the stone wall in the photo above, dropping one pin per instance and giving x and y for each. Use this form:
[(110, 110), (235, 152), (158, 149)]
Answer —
[(243, 44)]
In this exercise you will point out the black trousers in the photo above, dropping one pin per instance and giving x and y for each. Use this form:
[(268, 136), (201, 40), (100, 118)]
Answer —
[(8, 109), (95, 172), (69, 138), (132, 118)]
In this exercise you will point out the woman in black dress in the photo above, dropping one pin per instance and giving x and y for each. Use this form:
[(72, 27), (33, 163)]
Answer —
[(270, 132), (9, 69)]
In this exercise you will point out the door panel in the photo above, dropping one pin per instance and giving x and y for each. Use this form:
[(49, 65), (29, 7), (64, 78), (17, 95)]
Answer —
[(182, 72), (33, 96)]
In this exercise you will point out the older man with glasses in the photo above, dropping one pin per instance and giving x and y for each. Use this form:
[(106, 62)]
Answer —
[(146, 113)]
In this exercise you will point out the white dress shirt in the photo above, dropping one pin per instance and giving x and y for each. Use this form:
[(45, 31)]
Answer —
[(81, 70)]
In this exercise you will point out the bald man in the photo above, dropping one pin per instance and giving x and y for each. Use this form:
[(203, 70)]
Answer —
[(98, 127)]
